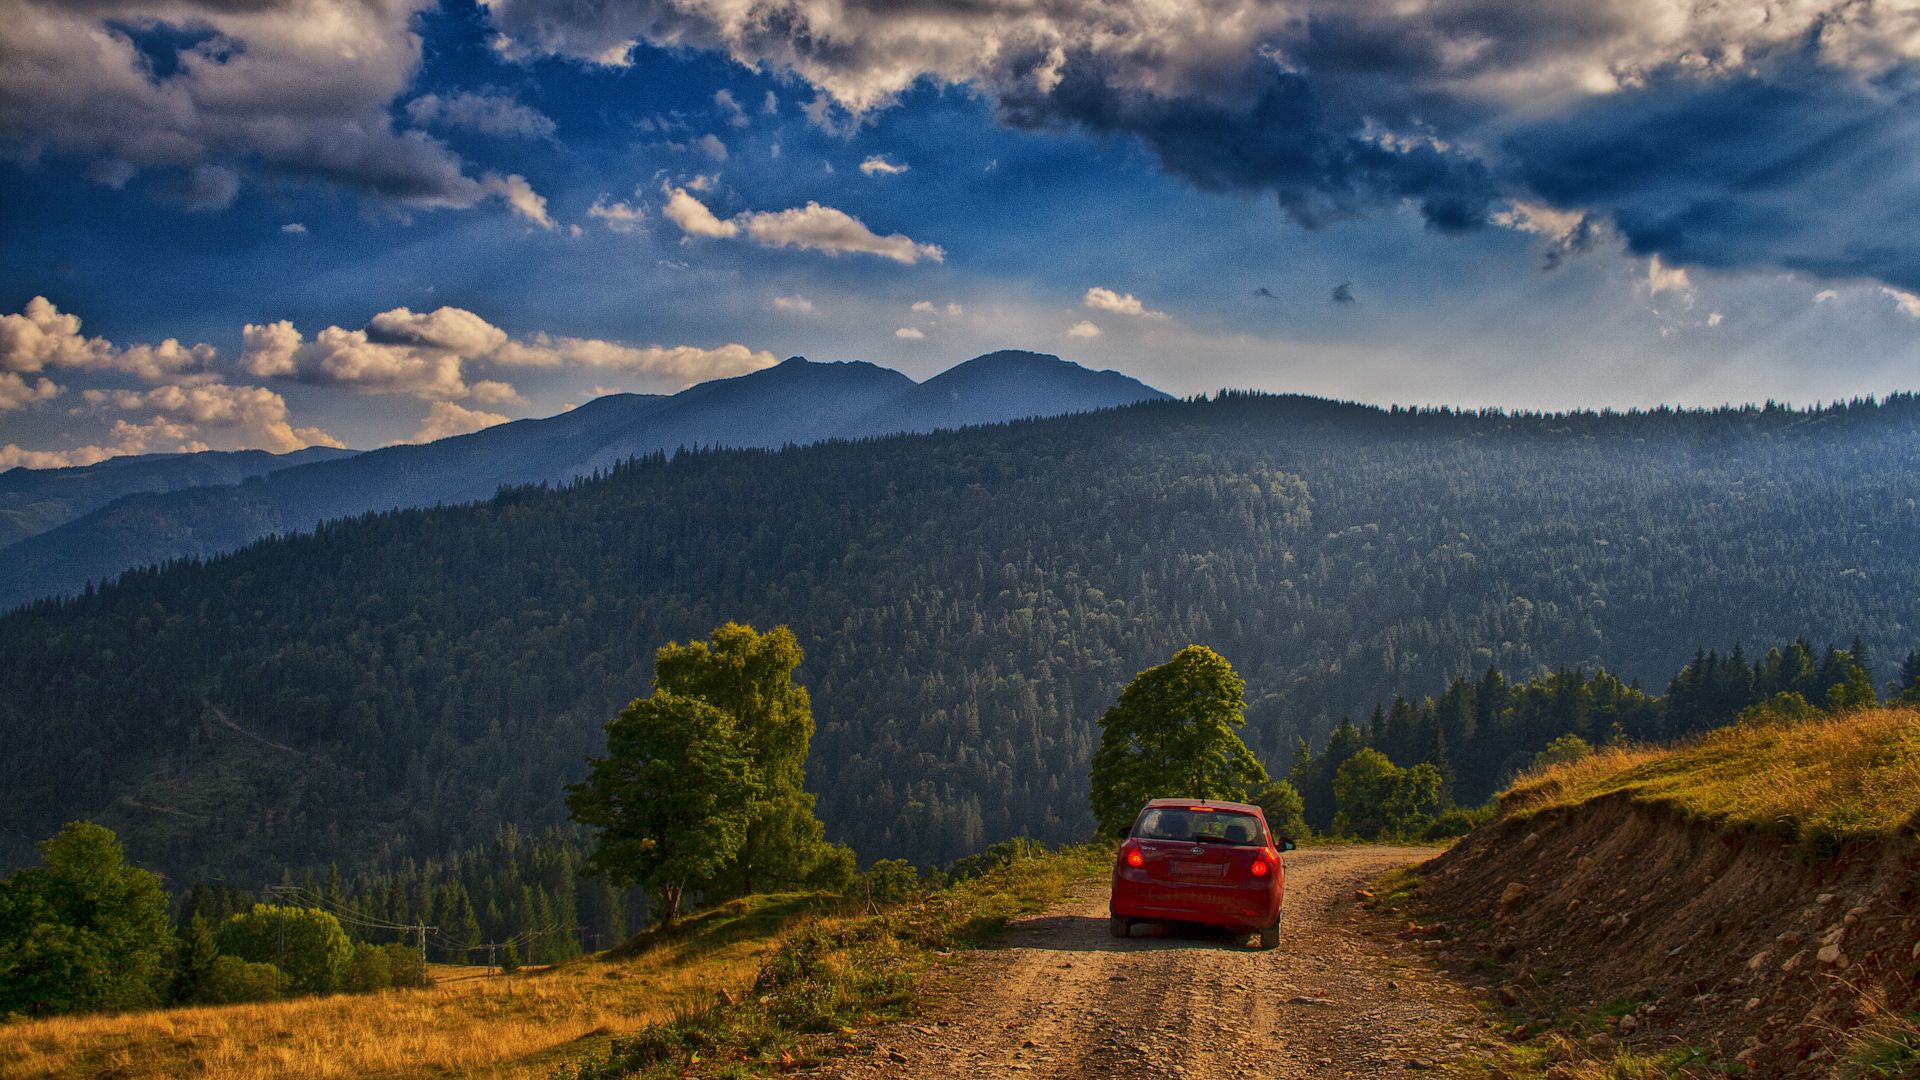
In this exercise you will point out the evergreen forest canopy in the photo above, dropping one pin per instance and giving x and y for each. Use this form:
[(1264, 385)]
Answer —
[(401, 685)]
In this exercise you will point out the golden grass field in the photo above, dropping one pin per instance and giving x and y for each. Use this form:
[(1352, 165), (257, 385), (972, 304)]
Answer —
[(1851, 776), (467, 1025)]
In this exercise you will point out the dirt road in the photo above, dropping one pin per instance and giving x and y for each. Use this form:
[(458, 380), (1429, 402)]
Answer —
[(1059, 998)]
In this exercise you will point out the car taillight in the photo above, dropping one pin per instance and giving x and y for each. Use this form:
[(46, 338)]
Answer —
[(1134, 858), (1260, 866)]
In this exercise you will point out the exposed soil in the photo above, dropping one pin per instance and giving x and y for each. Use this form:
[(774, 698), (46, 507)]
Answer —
[(1733, 942), (1058, 997)]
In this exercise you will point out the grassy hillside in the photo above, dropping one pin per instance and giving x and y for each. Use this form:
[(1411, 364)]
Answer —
[(759, 977), (1830, 779), (521, 1025)]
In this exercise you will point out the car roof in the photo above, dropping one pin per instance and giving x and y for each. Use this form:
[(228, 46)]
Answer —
[(1215, 804)]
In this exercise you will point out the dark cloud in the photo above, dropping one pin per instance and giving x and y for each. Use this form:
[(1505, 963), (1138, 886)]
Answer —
[(1343, 294), (1265, 293)]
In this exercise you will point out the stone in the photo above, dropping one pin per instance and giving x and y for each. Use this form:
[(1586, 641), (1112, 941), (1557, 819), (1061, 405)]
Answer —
[(1832, 956), (1512, 896), (1825, 898), (1793, 961), (1759, 961), (1791, 937), (896, 1057)]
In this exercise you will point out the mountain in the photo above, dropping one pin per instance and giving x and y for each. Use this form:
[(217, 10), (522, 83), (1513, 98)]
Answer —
[(401, 684), (35, 500), (794, 402)]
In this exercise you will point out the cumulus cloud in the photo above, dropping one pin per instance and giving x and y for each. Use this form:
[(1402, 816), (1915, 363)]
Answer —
[(878, 165), (519, 195), (1083, 328), (710, 145), (201, 417), (1712, 134), (1668, 279), (41, 336), (731, 108), (489, 112), (1908, 303), (798, 305), (430, 356), (445, 419), (812, 227), (621, 217), (909, 333), (299, 90), (1100, 298), (294, 228), (928, 307)]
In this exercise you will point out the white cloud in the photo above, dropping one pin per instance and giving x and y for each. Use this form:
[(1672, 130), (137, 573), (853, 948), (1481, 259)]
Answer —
[(1715, 319), (1907, 302), (445, 419), (878, 165), (1100, 298), (908, 333), (798, 305), (928, 307), (16, 392), (490, 112), (693, 217), (1083, 328), (293, 227), (428, 355), (210, 416), (519, 195), (603, 391), (811, 227), (1825, 295), (620, 217), (1668, 279), (42, 336), (710, 145), (299, 90), (730, 107)]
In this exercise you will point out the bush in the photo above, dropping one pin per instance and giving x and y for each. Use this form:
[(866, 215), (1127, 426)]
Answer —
[(1458, 821), (371, 969), (1564, 750), (406, 966), (231, 981), (887, 881), (308, 945), (1378, 798), (995, 856), (1784, 709), (510, 958)]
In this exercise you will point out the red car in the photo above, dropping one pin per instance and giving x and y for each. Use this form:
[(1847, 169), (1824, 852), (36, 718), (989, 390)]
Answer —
[(1200, 861)]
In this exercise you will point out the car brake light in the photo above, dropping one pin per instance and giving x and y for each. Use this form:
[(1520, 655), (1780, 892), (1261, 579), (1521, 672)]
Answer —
[(1202, 809), (1260, 867), (1134, 858)]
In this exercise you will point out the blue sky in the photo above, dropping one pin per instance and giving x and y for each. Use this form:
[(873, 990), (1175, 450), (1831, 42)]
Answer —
[(403, 220)]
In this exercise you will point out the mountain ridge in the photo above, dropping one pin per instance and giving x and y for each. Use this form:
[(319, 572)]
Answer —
[(795, 402)]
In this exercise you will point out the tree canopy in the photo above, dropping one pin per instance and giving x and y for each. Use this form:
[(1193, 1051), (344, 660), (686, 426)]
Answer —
[(83, 930)]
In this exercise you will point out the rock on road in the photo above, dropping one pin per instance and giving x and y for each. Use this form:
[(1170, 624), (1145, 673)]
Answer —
[(1057, 997)]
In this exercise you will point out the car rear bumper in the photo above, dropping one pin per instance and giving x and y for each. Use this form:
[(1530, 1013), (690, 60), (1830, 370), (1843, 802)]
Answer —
[(1228, 906)]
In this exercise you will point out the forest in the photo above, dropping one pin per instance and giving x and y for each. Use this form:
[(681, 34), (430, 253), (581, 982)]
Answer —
[(399, 686)]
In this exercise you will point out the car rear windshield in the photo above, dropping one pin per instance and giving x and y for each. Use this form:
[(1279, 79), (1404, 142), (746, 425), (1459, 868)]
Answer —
[(1201, 826)]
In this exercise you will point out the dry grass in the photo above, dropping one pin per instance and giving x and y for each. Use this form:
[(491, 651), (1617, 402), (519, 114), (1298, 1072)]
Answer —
[(1830, 779), (466, 1025)]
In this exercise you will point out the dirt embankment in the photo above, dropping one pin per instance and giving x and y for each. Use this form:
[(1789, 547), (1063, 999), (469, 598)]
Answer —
[(1059, 998), (1726, 940)]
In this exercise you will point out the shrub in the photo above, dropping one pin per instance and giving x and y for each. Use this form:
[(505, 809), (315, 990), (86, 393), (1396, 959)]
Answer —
[(887, 881), (371, 969), (306, 943), (406, 966), (231, 980)]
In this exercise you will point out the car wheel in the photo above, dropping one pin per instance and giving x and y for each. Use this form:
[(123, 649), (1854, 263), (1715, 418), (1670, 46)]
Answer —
[(1119, 926), (1270, 935)]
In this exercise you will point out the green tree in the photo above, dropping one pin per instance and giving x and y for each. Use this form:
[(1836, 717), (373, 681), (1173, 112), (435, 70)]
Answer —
[(306, 944), (672, 797), (1286, 812), (749, 676), (405, 963), (1853, 691), (1907, 689), (1563, 750), (1378, 798), (83, 930), (198, 951), (1174, 734), (510, 958)]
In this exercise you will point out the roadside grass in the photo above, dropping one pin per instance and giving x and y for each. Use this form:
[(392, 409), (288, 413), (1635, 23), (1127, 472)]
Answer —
[(519, 1025), (832, 974), (1824, 781), (1888, 1048)]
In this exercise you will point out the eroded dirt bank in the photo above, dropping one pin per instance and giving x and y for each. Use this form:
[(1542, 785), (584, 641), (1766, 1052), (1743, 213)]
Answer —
[(1698, 936), (1058, 997)]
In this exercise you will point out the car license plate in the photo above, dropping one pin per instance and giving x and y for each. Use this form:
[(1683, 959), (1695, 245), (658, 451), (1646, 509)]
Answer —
[(1200, 869)]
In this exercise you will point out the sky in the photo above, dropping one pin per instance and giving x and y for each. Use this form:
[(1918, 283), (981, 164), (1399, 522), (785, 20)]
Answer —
[(228, 224)]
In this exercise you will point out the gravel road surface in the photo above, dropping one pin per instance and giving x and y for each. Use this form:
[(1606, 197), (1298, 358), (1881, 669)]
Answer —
[(1057, 997)]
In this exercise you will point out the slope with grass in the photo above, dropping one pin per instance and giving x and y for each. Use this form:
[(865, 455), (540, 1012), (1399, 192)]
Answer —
[(1749, 899), (519, 1025)]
